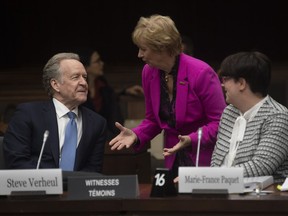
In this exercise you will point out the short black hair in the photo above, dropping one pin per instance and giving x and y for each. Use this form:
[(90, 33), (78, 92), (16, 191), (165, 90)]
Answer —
[(254, 67)]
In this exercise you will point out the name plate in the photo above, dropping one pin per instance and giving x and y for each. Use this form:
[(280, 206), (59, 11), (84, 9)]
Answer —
[(31, 182), (210, 180), (102, 187)]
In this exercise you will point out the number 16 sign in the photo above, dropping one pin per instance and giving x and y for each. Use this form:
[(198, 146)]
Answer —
[(163, 184)]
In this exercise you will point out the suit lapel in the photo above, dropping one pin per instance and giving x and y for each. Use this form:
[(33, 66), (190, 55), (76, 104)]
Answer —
[(262, 112), (50, 119), (82, 146), (182, 93), (155, 92)]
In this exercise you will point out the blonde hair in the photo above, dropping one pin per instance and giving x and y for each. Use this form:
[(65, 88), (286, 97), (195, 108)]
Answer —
[(159, 33)]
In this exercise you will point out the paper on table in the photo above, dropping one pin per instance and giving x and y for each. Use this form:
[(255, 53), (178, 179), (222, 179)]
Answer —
[(252, 183)]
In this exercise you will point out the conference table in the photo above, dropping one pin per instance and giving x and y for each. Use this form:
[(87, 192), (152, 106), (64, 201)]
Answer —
[(275, 203)]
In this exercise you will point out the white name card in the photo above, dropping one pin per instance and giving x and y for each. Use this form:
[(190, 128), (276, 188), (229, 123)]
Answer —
[(31, 182), (210, 180)]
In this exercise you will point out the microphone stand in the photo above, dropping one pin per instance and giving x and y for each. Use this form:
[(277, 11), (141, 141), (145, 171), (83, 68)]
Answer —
[(46, 134), (198, 146)]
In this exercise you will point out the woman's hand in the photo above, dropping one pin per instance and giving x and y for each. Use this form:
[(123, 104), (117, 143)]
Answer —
[(184, 141), (135, 90), (125, 138)]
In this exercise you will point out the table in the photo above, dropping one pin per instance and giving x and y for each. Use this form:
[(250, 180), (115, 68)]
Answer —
[(128, 162), (182, 204)]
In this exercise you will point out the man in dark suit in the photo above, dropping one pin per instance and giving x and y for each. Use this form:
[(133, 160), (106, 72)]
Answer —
[(64, 79)]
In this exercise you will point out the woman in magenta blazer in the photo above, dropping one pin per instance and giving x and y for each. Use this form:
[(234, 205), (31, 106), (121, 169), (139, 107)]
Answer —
[(182, 94)]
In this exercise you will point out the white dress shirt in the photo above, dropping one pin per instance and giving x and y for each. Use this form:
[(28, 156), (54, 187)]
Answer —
[(62, 120)]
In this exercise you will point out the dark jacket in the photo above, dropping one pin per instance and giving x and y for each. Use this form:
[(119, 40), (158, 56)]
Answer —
[(24, 137)]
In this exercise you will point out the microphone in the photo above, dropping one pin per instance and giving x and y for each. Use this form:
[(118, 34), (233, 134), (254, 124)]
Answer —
[(198, 146), (45, 137)]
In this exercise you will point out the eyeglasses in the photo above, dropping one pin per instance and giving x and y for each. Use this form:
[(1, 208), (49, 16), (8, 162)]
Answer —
[(225, 79)]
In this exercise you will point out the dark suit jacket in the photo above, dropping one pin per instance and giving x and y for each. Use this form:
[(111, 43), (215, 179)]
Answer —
[(24, 137)]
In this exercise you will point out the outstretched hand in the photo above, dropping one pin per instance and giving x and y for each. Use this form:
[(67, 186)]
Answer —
[(125, 138), (184, 141), (135, 90)]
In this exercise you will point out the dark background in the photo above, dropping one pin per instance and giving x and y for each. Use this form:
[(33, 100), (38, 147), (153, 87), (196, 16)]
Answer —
[(33, 31)]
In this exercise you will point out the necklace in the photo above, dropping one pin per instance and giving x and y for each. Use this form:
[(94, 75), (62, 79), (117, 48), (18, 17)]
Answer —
[(167, 76)]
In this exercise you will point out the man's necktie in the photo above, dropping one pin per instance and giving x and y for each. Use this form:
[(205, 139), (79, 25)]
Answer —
[(70, 144)]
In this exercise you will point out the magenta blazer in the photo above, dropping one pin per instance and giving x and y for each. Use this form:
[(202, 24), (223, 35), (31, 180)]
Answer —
[(199, 103)]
